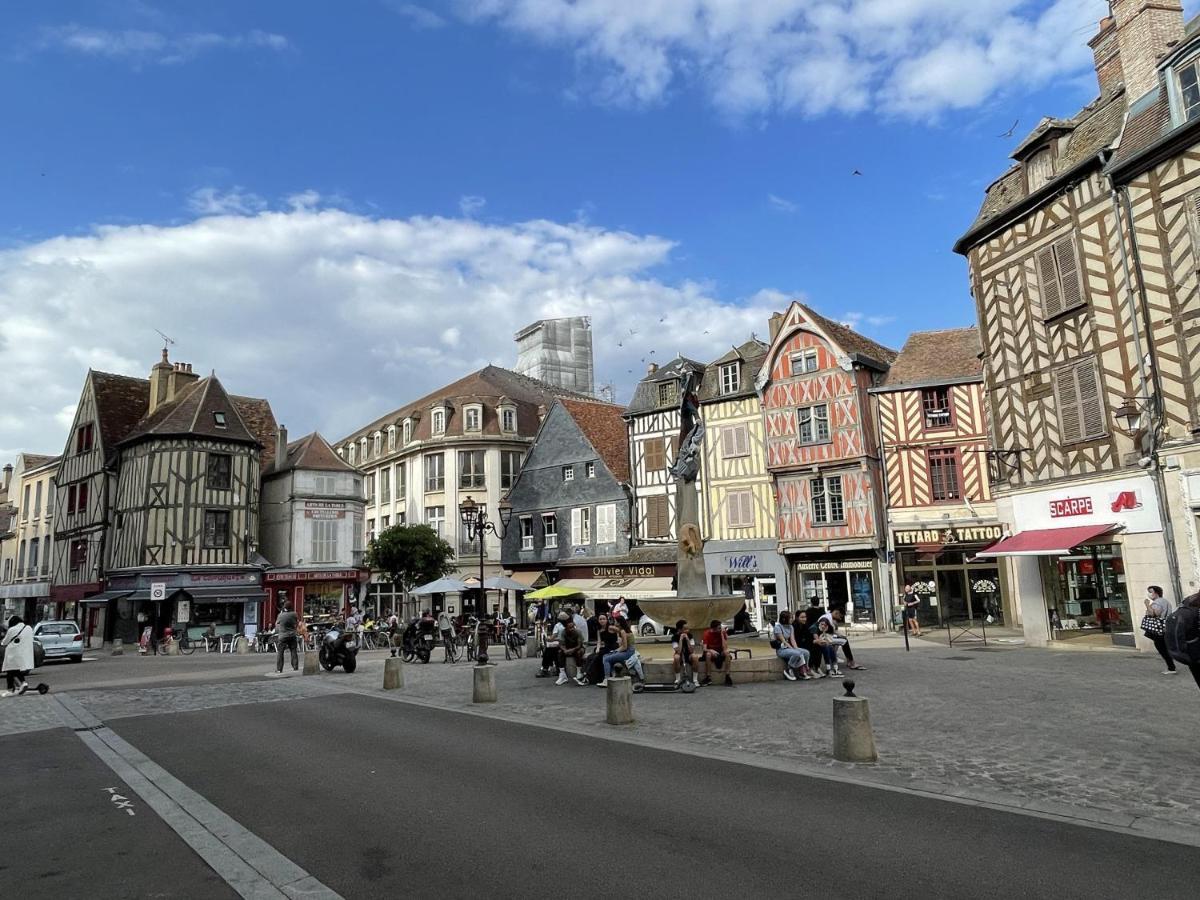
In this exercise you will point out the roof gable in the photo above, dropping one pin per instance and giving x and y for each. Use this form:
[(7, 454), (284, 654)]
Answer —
[(312, 452), (604, 427), (194, 412), (121, 402), (848, 342), (937, 356)]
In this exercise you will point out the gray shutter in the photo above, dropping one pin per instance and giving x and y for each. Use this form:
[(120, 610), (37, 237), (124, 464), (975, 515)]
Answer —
[(1066, 392), (1048, 282), (728, 442), (1066, 254), (1091, 409)]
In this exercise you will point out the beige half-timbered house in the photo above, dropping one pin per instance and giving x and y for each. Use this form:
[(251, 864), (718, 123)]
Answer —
[(1058, 288), (822, 454)]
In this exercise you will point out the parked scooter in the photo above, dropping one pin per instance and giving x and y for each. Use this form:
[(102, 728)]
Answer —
[(338, 649)]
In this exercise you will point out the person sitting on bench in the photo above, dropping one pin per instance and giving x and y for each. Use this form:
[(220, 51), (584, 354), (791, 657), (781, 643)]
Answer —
[(684, 654), (716, 652), (570, 647)]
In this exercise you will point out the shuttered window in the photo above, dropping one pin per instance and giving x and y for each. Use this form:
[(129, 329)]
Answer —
[(739, 509), (658, 524), (654, 452), (1080, 406), (735, 441), (1193, 213), (581, 527), (1059, 277), (606, 524)]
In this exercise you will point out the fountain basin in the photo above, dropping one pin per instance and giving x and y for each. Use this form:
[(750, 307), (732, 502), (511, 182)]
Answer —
[(698, 611)]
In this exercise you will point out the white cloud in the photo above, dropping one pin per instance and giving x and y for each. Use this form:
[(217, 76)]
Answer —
[(471, 205), (211, 201), (418, 16), (334, 316), (781, 204), (907, 57), (156, 47)]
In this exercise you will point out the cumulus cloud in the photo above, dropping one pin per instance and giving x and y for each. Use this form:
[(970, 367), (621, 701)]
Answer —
[(418, 16), (334, 316), (156, 47), (211, 201), (903, 57)]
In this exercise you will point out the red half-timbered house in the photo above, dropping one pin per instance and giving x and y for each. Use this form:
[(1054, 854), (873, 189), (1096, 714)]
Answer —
[(822, 456)]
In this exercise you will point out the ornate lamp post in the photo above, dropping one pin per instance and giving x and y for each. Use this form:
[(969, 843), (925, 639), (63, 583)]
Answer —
[(476, 525)]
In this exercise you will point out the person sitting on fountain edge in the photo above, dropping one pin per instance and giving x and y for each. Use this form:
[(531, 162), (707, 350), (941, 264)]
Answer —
[(716, 652), (836, 617)]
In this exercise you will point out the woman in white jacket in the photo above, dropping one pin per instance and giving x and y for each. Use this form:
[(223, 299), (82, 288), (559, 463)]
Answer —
[(18, 655)]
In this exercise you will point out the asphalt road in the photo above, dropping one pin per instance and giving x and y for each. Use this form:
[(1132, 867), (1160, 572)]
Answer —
[(62, 833), (377, 798)]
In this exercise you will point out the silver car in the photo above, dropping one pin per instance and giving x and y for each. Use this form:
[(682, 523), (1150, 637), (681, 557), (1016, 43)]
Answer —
[(59, 639)]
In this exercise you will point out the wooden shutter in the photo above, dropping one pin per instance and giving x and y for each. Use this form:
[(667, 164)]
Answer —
[(1067, 393), (576, 527), (1193, 210), (1066, 256), (606, 524), (1091, 408), (656, 517), (728, 442), (1048, 280)]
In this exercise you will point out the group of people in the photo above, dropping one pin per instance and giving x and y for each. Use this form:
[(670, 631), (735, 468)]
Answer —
[(809, 643), (593, 645), (1154, 626)]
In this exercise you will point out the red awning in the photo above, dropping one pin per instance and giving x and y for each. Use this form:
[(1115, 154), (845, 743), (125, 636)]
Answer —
[(1046, 541)]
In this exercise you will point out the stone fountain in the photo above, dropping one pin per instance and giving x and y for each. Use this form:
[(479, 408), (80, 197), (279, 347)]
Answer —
[(692, 600)]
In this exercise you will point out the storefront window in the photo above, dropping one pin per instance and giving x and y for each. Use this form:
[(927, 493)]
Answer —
[(951, 587), (322, 601), (1093, 596), (216, 613)]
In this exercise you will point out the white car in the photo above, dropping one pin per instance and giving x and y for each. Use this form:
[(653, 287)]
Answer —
[(60, 639)]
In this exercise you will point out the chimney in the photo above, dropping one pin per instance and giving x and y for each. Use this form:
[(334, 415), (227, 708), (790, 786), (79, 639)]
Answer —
[(775, 323), (651, 369), (1107, 54), (1146, 30), (8, 470), (180, 376), (281, 448), (160, 376)]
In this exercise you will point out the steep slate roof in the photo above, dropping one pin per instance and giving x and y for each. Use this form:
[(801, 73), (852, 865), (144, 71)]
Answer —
[(750, 355), (951, 354), (37, 460), (121, 402), (645, 395), (191, 413), (313, 452), (488, 386), (850, 340), (602, 424)]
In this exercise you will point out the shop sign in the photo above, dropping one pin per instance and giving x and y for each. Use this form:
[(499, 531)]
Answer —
[(963, 535), (324, 509), (183, 611), (1131, 502), (225, 578), (333, 575), (158, 590), (835, 565), (741, 562), (625, 572)]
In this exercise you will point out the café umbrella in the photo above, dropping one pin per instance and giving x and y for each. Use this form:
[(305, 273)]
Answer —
[(503, 583), (442, 586), (553, 592)]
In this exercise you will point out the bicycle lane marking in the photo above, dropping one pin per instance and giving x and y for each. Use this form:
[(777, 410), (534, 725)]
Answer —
[(248, 864)]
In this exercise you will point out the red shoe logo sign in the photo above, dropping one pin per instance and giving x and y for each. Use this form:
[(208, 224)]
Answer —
[(1126, 500)]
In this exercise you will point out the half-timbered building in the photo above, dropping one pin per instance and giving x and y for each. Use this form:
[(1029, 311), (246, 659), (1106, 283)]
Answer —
[(653, 422), (1064, 347), (822, 454), (934, 442), (737, 497)]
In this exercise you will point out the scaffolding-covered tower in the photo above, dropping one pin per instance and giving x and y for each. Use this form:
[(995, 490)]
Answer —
[(558, 352)]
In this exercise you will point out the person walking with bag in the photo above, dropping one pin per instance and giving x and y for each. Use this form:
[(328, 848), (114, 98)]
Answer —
[(1154, 624), (18, 656)]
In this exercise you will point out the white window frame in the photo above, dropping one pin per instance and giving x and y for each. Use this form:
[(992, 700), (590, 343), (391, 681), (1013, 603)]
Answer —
[(324, 540), (406, 431), (606, 524), (825, 483), (401, 481), (377, 444), (731, 378), (591, 470), (478, 479), (353, 453), (815, 421), (805, 356), (436, 520), (440, 486), (473, 418), (391, 438), (549, 535), (508, 419), (362, 449), (568, 474), (668, 393), (512, 459), (581, 526), (437, 421), (325, 485), (526, 532)]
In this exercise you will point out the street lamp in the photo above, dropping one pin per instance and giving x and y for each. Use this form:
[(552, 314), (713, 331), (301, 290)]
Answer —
[(1129, 413), (475, 525)]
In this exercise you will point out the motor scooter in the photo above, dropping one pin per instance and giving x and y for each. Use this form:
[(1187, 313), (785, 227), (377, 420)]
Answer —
[(338, 649)]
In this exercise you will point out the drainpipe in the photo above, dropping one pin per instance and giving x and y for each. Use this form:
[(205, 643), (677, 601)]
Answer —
[(1149, 359), (888, 569)]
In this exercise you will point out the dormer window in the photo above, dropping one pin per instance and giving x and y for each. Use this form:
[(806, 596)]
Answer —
[(1039, 169), (406, 431), (666, 393), (508, 419), (219, 419), (362, 449), (1188, 76), (731, 380), (377, 449), (473, 418), (391, 438), (437, 422), (353, 452)]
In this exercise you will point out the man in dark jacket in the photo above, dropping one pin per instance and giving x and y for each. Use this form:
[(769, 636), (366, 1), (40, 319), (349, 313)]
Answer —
[(286, 636)]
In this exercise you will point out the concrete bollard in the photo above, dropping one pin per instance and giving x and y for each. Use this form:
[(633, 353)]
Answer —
[(619, 701), (241, 644), (531, 649), (483, 685), (312, 662), (393, 673), (853, 739), (170, 648), (118, 647)]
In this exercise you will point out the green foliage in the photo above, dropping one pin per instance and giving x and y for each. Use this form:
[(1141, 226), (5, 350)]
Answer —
[(410, 555)]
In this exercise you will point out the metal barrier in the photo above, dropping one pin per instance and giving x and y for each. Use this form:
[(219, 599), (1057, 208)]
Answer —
[(965, 633)]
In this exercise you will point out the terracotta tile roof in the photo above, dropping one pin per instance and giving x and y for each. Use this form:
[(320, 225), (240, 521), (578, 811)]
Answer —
[(259, 418), (930, 356), (487, 386), (749, 357), (313, 452), (121, 402), (850, 340), (602, 424)]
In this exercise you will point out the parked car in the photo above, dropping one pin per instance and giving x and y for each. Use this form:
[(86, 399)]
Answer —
[(60, 639)]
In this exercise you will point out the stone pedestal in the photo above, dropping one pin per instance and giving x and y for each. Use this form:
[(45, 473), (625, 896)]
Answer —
[(393, 673), (619, 702), (853, 740), (118, 647), (312, 663), (483, 685)]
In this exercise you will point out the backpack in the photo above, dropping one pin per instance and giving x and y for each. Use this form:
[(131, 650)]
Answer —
[(1183, 635)]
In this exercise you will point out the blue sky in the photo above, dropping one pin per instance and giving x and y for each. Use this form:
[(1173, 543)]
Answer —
[(339, 205)]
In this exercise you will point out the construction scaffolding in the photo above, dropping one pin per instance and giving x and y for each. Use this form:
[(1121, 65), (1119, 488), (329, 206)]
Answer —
[(558, 352)]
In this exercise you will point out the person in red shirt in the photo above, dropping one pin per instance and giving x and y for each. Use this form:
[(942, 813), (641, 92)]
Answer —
[(716, 652)]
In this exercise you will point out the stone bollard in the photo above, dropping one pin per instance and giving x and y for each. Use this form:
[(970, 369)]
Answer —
[(312, 662), (170, 648), (483, 687), (853, 740), (118, 647), (241, 644), (619, 701), (393, 673), (531, 649)]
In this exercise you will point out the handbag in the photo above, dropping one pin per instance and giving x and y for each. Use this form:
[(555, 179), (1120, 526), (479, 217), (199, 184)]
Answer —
[(1153, 626)]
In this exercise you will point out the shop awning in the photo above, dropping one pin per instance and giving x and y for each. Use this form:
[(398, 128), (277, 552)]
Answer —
[(612, 588), (529, 579), (1046, 541), (98, 599), (25, 590)]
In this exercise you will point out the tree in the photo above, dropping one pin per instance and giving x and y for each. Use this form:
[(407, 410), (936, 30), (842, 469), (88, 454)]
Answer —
[(409, 555)]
